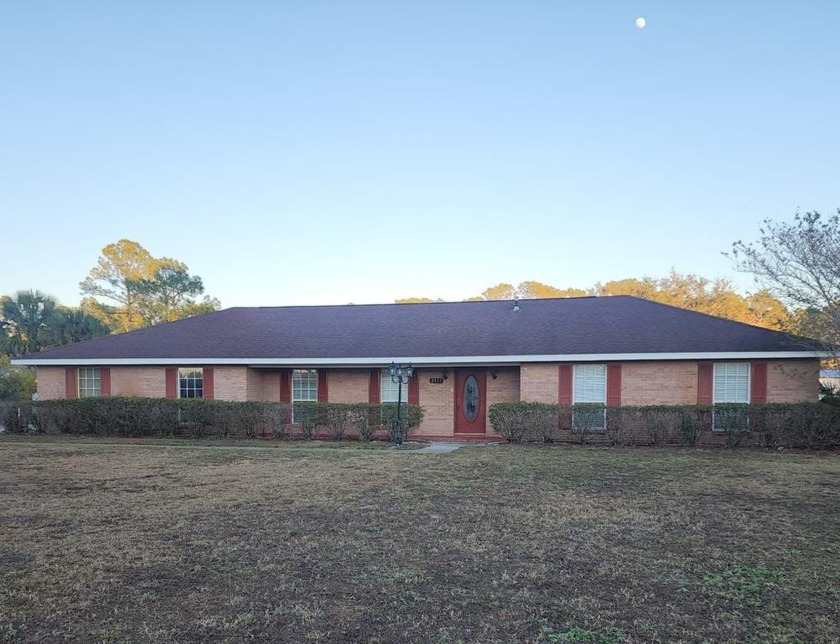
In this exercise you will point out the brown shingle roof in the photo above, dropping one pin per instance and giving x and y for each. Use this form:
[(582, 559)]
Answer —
[(563, 327)]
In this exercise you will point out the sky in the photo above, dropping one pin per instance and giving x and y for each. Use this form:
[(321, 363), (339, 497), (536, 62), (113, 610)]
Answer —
[(327, 152)]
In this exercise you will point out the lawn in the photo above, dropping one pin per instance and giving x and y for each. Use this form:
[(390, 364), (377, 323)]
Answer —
[(117, 543)]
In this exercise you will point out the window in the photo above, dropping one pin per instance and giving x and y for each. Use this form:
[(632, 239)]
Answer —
[(190, 382), (589, 396), (731, 385), (89, 382), (304, 388), (304, 385), (390, 390)]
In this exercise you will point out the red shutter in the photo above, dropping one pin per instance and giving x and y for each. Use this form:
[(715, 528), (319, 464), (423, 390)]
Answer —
[(759, 383), (374, 387), (171, 382), (323, 393), (414, 389), (705, 382), (565, 386), (286, 385), (209, 383), (613, 385), (105, 381), (70, 389)]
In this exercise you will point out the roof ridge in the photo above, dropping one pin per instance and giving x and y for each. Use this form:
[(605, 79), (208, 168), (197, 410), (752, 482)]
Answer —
[(449, 302)]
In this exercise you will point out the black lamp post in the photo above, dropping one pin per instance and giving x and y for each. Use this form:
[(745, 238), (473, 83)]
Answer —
[(400, 373)]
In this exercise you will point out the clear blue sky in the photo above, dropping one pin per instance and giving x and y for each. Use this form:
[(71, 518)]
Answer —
[(348, 151)]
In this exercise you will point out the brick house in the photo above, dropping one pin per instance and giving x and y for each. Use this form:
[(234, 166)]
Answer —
[(467, 355)]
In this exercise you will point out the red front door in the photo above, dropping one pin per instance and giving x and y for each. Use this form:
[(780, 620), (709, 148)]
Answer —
[(470, 401)]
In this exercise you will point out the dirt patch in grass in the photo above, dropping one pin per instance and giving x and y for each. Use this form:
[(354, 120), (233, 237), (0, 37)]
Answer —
[(486, 544)]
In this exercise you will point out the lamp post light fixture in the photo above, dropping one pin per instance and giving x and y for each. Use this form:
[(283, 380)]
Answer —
[(400, 374)]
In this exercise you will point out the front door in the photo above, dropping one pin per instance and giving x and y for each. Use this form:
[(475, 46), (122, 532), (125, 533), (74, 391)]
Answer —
[(470, 401)]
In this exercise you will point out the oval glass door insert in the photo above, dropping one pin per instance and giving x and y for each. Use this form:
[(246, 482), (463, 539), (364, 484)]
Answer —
[(471, 399)]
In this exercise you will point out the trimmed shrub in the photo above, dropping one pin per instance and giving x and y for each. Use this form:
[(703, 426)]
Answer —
[(17, 418), (198, 418), (410, 415), (518, 421), (544, 421), (509, 419), (812, 426), (693, 421), (338, 417), (154, 417), (662, 423), (588, 418), (365, 420), (623, 425), (307, 415), (800, 425), (733, 420)]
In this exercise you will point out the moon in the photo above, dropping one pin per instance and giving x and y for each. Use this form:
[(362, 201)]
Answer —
[(641, 22)]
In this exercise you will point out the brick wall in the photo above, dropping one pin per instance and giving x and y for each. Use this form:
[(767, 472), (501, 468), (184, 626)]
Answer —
[(149, 382), (231, 383), (675, 383), (659, 383), (267, 385), (642, 383), (348, 385), (438, 403), (539, 383), (253, 384), (505, 388), (793, 381), (51, 383)]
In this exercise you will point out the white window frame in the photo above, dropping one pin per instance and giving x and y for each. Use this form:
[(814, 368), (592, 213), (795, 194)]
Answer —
[(723, 399), (575, 394), (389, 390), (185, 375), (88, 382), (311, 388), (298, 389)]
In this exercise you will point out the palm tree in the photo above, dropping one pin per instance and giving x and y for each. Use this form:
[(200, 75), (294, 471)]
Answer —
[(68, 325), (23, 319)]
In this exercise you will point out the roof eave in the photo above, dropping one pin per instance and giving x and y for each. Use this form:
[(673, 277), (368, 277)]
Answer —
[(431, 361)]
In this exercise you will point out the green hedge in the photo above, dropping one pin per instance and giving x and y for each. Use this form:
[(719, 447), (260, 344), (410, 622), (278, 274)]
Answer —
[(800, 425), (526, 421), (366, 419), (161, 417)]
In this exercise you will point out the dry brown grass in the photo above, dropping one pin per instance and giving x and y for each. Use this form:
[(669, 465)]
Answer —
[(487, 544)]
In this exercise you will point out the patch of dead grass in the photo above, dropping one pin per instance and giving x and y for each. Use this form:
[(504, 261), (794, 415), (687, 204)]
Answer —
[(487, 544)]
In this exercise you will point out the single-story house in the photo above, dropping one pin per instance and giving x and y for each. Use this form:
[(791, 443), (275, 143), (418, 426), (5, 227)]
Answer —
[(466, 356)]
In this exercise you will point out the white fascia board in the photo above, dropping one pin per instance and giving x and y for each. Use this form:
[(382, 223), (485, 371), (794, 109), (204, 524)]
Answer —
[(431, 361)]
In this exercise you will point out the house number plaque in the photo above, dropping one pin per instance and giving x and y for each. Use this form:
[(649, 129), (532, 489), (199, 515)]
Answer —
[(435, 381)]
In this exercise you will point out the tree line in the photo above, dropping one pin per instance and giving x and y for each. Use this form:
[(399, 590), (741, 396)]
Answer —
[(687, 291), (796, 264)]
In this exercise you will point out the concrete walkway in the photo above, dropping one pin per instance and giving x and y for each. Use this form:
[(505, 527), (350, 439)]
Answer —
[(439, 448)]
